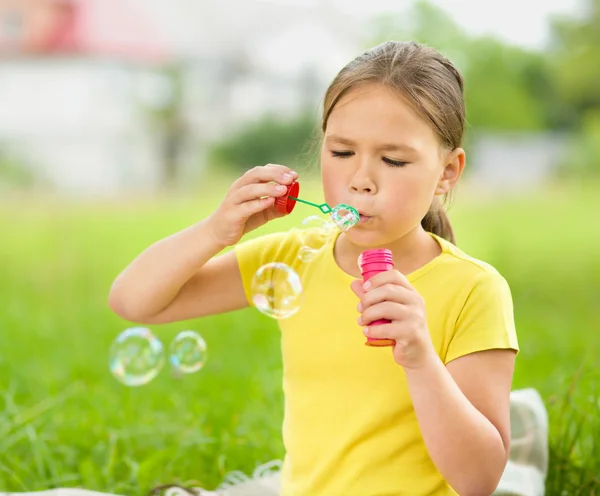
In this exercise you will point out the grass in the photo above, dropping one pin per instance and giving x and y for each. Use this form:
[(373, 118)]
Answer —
[(65, 421)]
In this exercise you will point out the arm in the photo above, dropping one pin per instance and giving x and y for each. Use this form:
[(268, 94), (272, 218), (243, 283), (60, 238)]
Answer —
[(463, 410), (177, 278), (180, 277)]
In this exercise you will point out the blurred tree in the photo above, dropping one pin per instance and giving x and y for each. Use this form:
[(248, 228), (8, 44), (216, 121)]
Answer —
[(15, 174), (424, 23), (500, 86), (506, 87), (574, 58), (583, 157), (575, 61), (270, 139)]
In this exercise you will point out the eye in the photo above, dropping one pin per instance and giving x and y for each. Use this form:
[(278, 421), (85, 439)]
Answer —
[(341, 154), (394, 163)]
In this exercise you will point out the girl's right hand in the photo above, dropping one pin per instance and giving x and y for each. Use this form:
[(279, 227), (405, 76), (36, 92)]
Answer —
[(249, 203)]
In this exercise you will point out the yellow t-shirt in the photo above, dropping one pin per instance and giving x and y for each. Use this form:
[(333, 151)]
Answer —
[(349, 425)]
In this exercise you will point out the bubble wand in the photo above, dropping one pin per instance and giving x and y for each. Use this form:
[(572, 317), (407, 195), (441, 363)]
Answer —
[(344, 216), (323, 207)]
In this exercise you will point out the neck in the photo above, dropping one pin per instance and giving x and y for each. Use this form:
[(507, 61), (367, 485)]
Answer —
[(410, 252)]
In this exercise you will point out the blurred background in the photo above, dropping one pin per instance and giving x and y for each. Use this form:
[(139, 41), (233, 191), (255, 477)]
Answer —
[(122, 121)]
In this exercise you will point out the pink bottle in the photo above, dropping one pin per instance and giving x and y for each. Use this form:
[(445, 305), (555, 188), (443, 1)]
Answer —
[(373, 262)]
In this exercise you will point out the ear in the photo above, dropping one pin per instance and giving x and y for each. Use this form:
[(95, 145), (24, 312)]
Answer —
[(453, 169)]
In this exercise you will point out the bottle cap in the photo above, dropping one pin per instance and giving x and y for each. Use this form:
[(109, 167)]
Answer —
[(284, 204), (377, 256)]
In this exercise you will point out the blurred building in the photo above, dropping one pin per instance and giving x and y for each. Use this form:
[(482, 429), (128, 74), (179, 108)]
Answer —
[(514, 162), (102, 96), (68, 79), (99, 97)]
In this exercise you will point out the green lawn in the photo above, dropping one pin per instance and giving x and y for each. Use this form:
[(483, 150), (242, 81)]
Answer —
[(65, 421)]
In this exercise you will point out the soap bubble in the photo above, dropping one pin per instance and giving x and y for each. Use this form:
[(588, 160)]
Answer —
[(344, 216), (277, 290), (187, 352), (136, 356), (317, 233)]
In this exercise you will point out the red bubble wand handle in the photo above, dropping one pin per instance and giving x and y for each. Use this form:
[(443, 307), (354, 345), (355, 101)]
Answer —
[(286, 203)]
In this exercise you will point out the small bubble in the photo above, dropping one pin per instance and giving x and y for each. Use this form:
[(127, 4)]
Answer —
[(187, 352), (317, 231), (277, 290), (136, 356), (344, 216)]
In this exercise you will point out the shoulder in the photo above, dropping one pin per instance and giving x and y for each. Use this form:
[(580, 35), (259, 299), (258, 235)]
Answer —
[(474, 276), (457, 259)]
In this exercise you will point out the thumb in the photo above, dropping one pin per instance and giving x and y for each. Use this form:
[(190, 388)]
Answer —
[(273, 213)]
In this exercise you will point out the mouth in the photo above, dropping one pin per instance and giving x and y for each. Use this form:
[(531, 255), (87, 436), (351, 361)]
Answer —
[(364, 218)]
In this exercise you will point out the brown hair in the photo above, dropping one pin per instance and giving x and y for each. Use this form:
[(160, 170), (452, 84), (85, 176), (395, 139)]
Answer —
[(428, 81)]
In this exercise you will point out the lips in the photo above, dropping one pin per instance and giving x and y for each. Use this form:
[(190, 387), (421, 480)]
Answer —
[(364, 218)]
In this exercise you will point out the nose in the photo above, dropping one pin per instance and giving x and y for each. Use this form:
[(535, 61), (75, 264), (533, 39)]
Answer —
[(362, 181)]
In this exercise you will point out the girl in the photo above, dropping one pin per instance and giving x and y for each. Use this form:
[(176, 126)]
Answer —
[(432, 416)]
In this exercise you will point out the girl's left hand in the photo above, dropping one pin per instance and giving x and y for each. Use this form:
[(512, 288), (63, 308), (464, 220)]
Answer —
[(389, 295)]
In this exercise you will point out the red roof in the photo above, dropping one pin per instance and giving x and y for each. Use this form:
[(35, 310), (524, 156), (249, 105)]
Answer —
[(104, 28)]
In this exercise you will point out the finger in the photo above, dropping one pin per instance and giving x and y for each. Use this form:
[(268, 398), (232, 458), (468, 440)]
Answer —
[(357, 287), (387, 276), (258, 190), (283, 168), (266, 173), (386, 310), (257, 205), (387, 292), (382, 331)]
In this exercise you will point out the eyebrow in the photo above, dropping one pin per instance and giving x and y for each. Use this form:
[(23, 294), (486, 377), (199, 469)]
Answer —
[(386, 146)]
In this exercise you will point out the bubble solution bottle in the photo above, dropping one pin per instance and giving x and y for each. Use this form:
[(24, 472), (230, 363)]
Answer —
[(373, 262)]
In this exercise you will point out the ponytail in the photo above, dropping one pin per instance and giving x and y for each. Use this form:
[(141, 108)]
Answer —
[(437, 222)]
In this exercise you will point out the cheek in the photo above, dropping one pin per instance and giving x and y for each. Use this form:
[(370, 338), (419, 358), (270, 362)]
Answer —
[(421, 181), (331, 180), (412, 195)]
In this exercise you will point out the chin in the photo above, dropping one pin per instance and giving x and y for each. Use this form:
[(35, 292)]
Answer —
[(366, 239)]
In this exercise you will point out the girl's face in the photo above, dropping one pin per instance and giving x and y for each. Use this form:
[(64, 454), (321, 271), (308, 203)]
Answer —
[(381, 158)]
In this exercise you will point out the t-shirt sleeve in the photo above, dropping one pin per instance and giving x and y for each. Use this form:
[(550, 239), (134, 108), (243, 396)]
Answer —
[(486, 320), (252, 254)]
